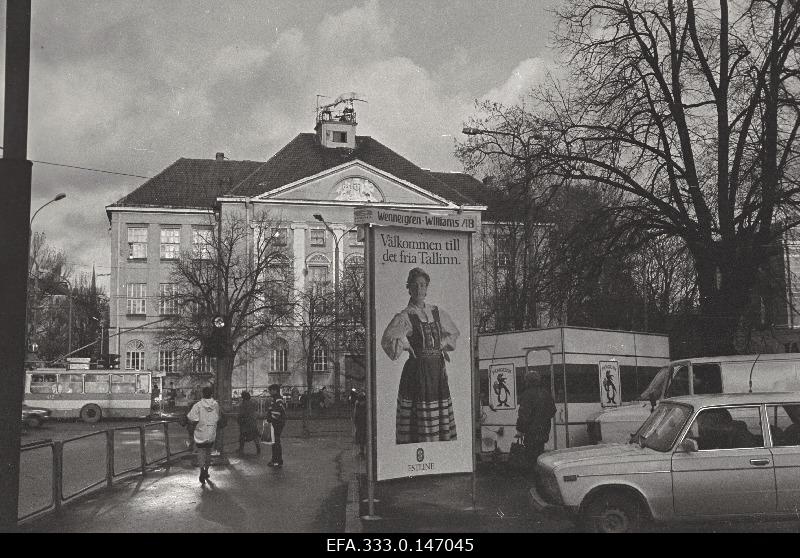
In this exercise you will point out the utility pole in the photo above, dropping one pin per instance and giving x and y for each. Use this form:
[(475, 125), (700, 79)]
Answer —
[(15, 182)]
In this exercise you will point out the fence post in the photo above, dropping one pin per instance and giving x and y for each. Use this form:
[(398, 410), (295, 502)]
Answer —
[(109, 457), (58, 477), (142, 452), (166, 441)]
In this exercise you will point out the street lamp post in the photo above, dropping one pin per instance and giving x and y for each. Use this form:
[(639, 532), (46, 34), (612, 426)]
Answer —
[(58, 197), (336, 240)]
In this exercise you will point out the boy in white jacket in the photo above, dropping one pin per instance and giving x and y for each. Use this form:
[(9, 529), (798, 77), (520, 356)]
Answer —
[(205, 415)]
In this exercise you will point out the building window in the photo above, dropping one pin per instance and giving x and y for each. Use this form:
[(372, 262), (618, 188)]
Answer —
[(280, 356), (202, 243), (317, 237), (340, 137), (137, 295), (134, 355), (318, 277), (202, 364), (166, 300), (166, 361), (280, 237), (170, 243), (137, 243), (352, 237), (320, 359)]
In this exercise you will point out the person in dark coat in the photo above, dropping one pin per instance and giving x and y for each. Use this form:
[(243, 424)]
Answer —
[(536, 409), (277, 418), (248, 427)]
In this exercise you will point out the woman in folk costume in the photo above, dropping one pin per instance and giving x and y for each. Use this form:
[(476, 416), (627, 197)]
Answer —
[(424, 407)]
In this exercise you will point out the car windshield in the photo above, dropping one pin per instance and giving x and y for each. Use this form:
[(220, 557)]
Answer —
[(661, 429)]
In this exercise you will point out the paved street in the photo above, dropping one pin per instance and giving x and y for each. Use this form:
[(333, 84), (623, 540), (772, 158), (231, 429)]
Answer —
[(309, 494)]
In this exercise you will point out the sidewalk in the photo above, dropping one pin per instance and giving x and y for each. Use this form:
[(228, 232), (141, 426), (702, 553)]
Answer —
[(244, 495), (444, 503)]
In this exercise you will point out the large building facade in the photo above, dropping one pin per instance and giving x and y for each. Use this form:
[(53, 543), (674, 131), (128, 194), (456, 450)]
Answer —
[(327, 173)]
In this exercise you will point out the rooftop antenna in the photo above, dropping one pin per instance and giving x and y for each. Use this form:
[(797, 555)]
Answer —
[(318, 97), (347, 114)]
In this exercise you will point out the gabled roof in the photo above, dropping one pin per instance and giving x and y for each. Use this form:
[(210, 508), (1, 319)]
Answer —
[(190, 183), (304, 157), (197, 183)]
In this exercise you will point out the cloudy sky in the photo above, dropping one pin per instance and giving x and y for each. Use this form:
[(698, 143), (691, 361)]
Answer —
[(132, 86)]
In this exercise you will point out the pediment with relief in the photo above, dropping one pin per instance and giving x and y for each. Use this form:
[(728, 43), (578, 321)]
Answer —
[(356, 182)]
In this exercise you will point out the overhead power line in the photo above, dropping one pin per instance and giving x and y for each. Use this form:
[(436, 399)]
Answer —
[(87, 168), (90, 169)]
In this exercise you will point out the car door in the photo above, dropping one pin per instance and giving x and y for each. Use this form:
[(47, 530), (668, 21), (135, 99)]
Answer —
[(784, 423), (731, 473)]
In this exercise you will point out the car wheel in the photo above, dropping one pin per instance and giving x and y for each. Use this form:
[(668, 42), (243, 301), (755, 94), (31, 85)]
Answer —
[(91, 413), (612, 512), (33, 422)]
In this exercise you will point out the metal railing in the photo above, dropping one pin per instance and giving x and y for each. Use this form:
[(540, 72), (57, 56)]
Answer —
[(155, 447)]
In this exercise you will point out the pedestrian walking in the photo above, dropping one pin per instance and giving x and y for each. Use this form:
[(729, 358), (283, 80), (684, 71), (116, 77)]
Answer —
[(205, 414), (248, 427), (277, 418), (536, 409), (184, 420)]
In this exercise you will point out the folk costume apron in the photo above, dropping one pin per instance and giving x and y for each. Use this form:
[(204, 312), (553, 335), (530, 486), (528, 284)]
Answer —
[(424, 407)]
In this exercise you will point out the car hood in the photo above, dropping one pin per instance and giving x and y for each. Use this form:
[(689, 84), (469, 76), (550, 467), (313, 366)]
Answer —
[(640, 410), (599, 454)]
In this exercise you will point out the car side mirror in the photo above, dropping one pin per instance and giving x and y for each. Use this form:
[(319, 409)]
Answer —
[(688, 445)]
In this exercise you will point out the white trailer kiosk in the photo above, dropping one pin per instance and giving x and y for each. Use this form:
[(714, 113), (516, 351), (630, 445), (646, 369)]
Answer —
[(587, 370)]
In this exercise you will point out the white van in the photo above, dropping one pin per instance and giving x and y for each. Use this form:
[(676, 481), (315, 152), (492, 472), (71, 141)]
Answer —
[(698, 376)]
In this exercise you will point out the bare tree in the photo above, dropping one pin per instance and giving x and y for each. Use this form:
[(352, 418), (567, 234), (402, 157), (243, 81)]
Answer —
[(315, 322), (237, 275), (686, 114)]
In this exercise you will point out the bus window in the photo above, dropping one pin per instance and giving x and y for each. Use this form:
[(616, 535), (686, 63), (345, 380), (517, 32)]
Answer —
[(70, 383), (96, 383), (142, 383), (123, 383), (43, 383)]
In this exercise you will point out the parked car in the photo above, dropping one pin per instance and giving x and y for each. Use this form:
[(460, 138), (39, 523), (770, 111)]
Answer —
[(699, 457), (34, 417)]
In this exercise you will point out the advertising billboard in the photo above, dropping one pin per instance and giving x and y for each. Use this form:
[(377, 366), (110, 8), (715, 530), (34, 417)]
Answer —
[(423, 374)]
